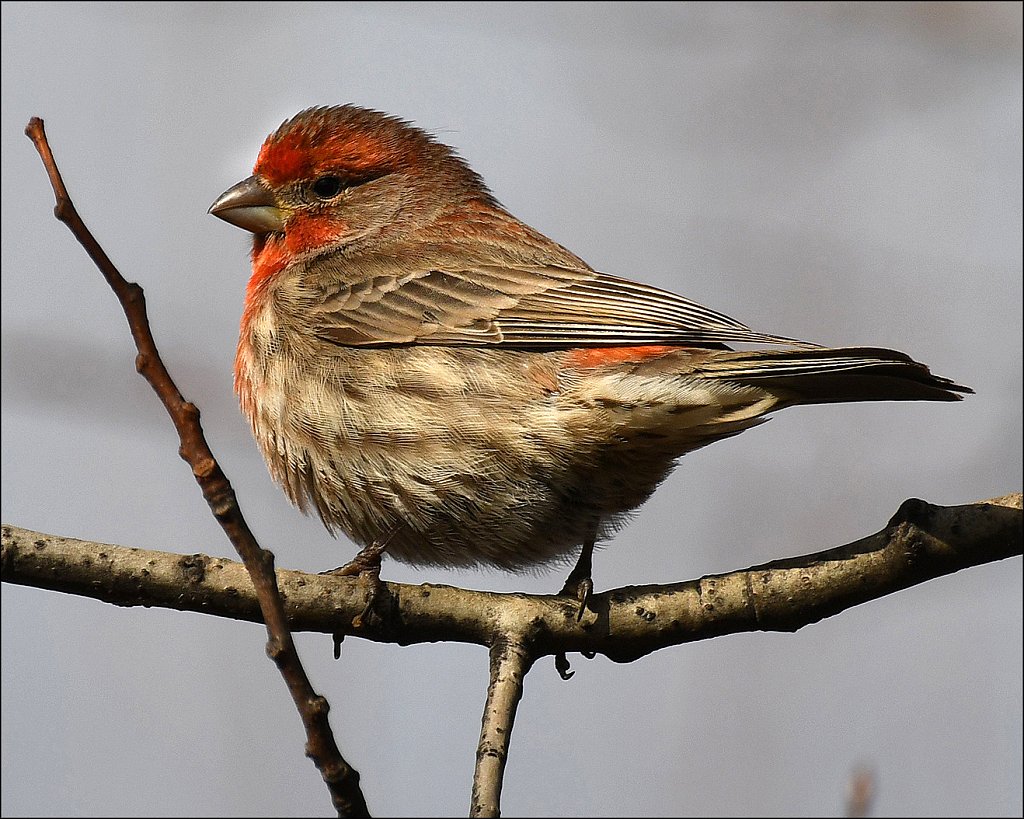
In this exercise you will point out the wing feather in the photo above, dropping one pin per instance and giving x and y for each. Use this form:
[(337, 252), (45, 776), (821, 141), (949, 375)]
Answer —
[(522, 306)]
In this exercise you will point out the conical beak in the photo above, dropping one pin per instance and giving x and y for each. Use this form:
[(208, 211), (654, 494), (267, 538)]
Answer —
[(250, 206)]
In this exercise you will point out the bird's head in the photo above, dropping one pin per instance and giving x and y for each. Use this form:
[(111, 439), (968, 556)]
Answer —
[(331, 178)]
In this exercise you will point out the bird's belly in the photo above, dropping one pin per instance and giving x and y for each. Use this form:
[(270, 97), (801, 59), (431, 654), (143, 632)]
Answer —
[(462, 458)]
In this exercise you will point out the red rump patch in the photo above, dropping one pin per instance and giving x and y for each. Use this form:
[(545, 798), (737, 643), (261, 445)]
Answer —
[(586, 357)]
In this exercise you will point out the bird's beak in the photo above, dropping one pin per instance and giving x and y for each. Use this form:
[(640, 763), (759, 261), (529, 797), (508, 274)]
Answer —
[(251, 206)]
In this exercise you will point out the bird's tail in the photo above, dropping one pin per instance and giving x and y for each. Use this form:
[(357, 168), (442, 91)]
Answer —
[(825, 376)]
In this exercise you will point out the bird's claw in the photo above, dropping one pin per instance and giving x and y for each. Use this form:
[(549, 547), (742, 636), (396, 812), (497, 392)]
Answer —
[(580, 589)]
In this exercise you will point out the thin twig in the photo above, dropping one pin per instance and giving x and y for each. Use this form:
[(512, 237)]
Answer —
[(342, 780), (510, 660)]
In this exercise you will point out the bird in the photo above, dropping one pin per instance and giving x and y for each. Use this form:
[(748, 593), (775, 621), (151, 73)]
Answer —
[(448, 386)]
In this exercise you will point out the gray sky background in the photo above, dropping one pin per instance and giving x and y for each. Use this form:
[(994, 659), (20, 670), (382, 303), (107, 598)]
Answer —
[(847, 174)]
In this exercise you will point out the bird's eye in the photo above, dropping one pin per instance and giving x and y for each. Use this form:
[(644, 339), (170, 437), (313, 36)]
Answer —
[(327, 187)]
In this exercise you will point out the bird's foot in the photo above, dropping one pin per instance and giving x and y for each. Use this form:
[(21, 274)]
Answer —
[(579, 584), (580, 589), (366, 566)]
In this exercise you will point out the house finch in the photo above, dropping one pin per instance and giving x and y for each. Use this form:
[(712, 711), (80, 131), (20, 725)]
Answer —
[(433, 376)]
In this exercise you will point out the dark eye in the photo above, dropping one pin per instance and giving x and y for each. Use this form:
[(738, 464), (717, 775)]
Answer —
[(327, 187)]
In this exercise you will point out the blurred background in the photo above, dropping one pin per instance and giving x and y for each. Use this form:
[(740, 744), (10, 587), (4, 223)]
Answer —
[(844, 173)]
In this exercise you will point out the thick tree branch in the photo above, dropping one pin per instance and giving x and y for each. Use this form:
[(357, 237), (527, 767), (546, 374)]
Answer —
[(342, 780), (921, 542)]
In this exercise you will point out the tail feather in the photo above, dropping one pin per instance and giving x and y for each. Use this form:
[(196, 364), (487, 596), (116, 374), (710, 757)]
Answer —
[(824, 375)]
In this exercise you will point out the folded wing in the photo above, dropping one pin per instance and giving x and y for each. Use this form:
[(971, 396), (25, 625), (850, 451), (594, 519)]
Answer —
[(523, 307)]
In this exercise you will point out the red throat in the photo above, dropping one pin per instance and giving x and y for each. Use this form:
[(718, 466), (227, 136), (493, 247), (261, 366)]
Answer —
[(270, 255)]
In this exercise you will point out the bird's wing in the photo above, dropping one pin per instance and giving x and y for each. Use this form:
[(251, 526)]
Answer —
[(522, 307)]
